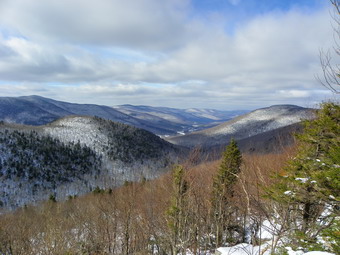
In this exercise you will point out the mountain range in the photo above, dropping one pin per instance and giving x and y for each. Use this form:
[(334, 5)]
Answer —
[(37, 110), (48, 147)]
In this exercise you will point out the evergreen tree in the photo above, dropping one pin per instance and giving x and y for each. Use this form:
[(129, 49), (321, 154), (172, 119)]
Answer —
[(310, 185), (224, 181)]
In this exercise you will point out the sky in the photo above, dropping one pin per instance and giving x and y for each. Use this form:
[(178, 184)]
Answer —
[(218, 54)]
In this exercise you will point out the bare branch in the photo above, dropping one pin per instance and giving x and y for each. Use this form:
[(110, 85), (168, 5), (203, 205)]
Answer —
[(331, 73), (336, 4)]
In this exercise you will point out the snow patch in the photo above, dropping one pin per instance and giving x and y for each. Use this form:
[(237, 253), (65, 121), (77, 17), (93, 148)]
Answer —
[(303, 180), (243, 249)]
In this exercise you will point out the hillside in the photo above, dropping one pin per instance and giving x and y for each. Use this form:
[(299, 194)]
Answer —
[(249, 128), (74, 155), (31, 164), (37, 110)]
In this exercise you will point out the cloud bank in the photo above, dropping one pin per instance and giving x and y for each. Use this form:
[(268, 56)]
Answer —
[(161, 53)]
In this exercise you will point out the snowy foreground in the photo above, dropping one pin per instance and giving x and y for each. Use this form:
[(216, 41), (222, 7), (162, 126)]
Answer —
[(248, 249)]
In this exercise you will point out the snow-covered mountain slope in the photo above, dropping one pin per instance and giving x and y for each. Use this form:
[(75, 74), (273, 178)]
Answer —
[(115, 140), (33, 166), (36, 110), (249, 125), (73, 155)]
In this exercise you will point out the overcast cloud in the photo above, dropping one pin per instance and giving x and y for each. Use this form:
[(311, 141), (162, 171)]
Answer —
[(166, 53)]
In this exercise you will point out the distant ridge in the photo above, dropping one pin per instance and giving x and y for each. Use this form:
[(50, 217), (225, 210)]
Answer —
[(259, 123), (37, 110)]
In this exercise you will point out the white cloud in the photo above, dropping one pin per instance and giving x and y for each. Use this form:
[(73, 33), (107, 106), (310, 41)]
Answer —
[(155, 51), (148, 24), (295, 93)]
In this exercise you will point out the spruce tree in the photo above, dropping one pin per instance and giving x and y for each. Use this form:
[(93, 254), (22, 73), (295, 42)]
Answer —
[(310, 185), (223, 184)]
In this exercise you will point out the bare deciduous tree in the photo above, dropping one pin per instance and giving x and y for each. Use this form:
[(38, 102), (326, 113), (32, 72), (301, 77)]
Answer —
[(331, 72)]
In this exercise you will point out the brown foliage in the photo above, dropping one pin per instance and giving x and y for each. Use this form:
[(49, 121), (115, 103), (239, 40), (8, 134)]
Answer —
[(131, 219)]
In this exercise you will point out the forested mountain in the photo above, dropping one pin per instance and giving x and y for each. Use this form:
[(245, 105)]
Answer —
[(257, 127), (37, 110), (114, 140), (74, 155), (33, 167)]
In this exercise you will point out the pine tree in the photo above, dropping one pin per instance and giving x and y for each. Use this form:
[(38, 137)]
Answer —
[(223, 184), (310, 185)]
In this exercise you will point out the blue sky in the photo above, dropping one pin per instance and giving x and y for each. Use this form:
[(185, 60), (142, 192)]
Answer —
[(254, 7), (224, 54)]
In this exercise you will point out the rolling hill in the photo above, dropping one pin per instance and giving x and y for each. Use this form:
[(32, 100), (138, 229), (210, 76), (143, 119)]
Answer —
[(251, 130)]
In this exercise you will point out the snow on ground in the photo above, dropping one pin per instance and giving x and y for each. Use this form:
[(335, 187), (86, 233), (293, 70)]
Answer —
[(243, 249), (318, 253), (248, 249), (268, 230), (299, 252)]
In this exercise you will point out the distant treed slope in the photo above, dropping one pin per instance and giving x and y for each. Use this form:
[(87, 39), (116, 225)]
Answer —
[(36, 110), (31, 164), (21, 111), (73, 155), (43, 158), (272, 141), (256, 123), (115, 140)]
